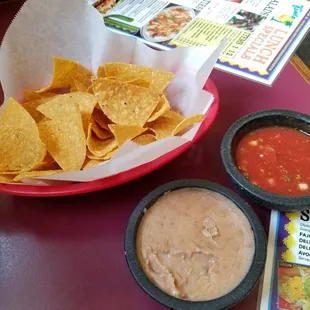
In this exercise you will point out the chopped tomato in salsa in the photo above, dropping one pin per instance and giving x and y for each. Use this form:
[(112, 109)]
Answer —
[(276, 159)]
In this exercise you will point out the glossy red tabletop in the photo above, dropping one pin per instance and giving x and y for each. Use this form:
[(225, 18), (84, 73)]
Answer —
[(67, 253)]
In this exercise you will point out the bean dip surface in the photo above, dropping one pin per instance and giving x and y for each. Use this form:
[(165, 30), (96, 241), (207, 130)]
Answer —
[(195, 244)]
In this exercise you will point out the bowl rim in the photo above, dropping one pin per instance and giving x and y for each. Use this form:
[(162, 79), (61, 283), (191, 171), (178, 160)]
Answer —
[(274, 201), (224, 302)]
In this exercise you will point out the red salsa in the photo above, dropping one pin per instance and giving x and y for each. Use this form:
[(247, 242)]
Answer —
[(276, 159)]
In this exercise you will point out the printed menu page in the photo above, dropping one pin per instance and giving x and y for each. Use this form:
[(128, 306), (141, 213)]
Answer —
[(286, 283), (262, 34)]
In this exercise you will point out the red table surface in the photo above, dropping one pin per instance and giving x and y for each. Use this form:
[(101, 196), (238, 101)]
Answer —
[(68, 254)]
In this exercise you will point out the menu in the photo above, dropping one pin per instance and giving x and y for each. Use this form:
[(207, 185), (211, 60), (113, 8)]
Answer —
[(286, 283), (262, 34)]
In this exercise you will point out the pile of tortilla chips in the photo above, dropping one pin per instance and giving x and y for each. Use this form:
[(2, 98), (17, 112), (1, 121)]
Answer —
[(80, 120)]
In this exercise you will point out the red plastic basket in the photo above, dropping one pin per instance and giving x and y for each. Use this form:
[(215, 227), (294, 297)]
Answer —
[(86, 187)]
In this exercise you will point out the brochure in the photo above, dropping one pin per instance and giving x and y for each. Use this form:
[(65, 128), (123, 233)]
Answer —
[(286, 283), (262, 34)]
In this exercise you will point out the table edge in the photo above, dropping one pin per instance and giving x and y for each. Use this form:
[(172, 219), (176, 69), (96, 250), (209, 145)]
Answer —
[(301, 67)]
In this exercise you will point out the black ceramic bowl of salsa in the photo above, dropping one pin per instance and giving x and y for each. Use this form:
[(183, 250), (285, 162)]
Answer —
[(267, 156)]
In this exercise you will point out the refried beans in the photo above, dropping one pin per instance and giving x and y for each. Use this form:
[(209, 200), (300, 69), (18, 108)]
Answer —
[(195, 244)]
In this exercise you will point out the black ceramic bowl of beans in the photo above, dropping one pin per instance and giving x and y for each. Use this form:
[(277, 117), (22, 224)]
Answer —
[(267, 156), (195, 245)]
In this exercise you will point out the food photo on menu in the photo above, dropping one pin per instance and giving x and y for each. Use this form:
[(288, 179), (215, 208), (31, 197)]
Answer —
[(120, 117), (167, 24)]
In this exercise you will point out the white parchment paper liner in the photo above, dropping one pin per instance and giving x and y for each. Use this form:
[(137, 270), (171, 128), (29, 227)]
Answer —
[(75, 30)]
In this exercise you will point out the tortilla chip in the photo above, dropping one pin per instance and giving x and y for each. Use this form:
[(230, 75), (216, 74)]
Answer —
[(81, 83), (31, 107), (31, 95), (89, 155), (86, 104), (139, 82), (33, 174), (174, 115), (48, 163), (64, 137), (20, 145), (63, 73), (101, 119), (161, 108), (159, 79), (90, 90), (100, 132), (7, 178), (73, 89), (101, 72), (9, 172), (165, 124), (59, 107), (187, 123), (44, 166), (103, 158), (122, 133), (56, 107), (145, 139), (93, 79), (110, 154), (98, 147), (125, 104), (150, 131), (89, 163)]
